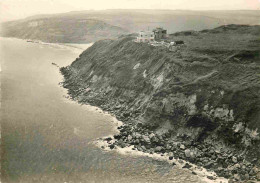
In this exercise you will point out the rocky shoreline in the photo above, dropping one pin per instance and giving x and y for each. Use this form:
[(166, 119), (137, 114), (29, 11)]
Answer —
[(225, 161)]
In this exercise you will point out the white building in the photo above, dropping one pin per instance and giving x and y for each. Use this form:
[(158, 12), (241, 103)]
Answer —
[(145, 36)]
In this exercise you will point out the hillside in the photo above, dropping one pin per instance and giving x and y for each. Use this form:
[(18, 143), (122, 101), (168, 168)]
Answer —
[(61, 30), (200, 102), (87, 26)]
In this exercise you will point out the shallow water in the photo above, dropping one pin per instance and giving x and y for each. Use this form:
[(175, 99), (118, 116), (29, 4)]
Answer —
[(46, 138)]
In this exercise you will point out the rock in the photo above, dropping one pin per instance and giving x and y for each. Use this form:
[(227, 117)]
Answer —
[(237, 166), (129, 138), (258, 176), (252, 172), (180, 161), (158, 149), (112, 146), (237, 177), (108, 139), (170, 154), (246, 176), (155, 140), (182, 147), (151, 135), (168, 147), (209, 165), (213, 157), (230, 181), (137, 135), (211, 177), (137, 141), (143, 148), (234, 159), (187, 153), (256, 170), (194, 173), (146, 139), (211, 151), (187, 165), (122, 144)]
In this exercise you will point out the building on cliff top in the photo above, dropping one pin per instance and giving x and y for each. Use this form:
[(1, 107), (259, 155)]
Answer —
[(145, 36), (160, 33)]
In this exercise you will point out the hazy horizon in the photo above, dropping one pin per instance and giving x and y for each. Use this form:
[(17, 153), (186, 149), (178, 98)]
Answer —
[(13, 10)]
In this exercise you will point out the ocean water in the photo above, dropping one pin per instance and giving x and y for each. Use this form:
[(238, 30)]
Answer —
[(47, 138)]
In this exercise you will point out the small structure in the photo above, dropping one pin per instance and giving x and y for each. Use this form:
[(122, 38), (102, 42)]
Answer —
[(175, 45), (145, 36), (179, 42), (160, 33)]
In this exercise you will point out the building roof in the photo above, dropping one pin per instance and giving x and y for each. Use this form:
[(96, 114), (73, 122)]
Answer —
[(158, 29), (147, 32)]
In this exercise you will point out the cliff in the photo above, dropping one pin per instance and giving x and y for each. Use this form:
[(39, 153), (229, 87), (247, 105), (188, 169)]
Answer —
[(205, 94)]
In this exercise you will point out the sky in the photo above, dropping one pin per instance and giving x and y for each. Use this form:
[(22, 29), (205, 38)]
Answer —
[(17, 9)]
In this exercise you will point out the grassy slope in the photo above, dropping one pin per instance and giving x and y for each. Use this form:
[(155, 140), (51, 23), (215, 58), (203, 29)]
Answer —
[(173, 20), (207, 89), (64, 30)]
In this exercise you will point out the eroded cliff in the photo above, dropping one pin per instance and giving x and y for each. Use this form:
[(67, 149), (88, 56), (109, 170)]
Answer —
[(206, 93)]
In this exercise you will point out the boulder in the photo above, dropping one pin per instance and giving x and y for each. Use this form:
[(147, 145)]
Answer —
[(129, 138), (155, 140), (187, 165), (168, 147), (187, 153), (180, 161), (182, 147), (158, 149), (246, 176), (138, 135), (112, 146), (237, 166), (151, 135), (258, 176), (234, 159), (210, 177), (237, 177), (209, 165), (143, 148), (146, 139), (108, 139), (170, 154)]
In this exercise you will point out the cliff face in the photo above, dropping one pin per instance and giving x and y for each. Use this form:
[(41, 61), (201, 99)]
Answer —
[(206, 90)]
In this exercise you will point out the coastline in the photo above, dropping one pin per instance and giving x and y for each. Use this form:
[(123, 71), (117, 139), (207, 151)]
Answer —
[(202, 173), (129, 150), (73, 46), (104, 144)]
